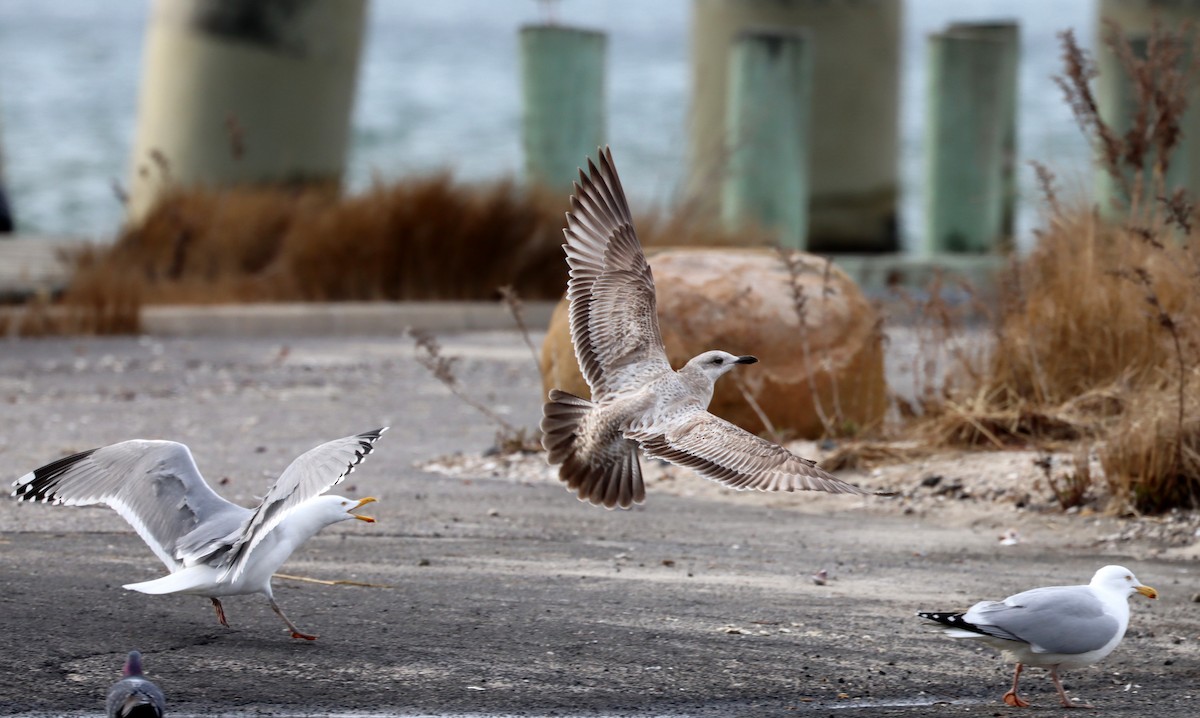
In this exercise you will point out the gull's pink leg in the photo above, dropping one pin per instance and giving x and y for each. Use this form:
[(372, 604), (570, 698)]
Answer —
[(295, 631), (1063, 694), (1011, 698), (220, 611)]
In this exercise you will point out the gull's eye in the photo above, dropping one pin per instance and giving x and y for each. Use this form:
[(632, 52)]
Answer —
[(717, 361)]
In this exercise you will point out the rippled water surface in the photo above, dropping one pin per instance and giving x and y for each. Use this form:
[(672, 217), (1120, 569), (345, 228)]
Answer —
[(439, 90)]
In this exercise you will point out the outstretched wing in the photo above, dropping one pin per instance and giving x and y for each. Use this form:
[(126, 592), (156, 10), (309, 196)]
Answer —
[(613, 317), (154, 485), (309, 475), (725, 453)]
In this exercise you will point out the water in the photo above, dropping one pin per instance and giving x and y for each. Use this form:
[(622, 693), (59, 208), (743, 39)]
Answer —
[(439, 90)]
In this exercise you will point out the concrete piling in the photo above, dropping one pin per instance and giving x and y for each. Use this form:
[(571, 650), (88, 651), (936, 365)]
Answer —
[(855, 112), (770, 94), (969, 141), (240, 92), (1009, 33), (562, 83)]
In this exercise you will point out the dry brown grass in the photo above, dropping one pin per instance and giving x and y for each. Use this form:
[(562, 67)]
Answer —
[(417, 239), (420, 239), (1096, 329)]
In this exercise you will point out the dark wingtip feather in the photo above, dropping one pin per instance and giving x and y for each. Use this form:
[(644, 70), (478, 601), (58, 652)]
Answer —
[(45, 479)]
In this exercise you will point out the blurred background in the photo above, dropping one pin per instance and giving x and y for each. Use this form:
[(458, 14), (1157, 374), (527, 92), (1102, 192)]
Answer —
[(439, 89)]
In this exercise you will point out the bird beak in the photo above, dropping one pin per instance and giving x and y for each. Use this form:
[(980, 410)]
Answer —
[(1147, 591), (361, 503), (746, 360)]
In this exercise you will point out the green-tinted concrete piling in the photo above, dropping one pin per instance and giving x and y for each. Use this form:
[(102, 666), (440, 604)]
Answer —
[(1117, 99), (237, 93), (967, 113), (562, 81), (855, 112), (1009, 33), (770, 93)]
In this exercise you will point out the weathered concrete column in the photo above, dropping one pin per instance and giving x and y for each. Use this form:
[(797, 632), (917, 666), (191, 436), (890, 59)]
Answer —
[(562, 83), (1009, 33), (969, 105), (770, 94), (1117, 100), (855, 115), (238, 92)]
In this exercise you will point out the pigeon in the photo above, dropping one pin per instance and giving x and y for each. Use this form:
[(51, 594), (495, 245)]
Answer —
[(637, 399), (1052, 627), (212, 547), (133, 696)]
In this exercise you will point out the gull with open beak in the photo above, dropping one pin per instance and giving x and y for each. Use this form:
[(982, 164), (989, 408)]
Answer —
[(212, 547)]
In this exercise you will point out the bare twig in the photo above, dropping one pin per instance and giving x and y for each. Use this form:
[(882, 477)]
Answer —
[(793, 263), (429, 354), (327, 582), (758, 411), (516, 307)]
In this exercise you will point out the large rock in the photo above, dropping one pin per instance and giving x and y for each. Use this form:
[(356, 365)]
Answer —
[(742, 301)]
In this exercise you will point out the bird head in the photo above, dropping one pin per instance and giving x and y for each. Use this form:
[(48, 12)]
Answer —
[(715, 363), (1120, 580), (133, 665), (340, 508)]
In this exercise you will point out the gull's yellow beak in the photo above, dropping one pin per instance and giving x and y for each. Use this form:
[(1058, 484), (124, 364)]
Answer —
[(361, 503), (1147, 591)]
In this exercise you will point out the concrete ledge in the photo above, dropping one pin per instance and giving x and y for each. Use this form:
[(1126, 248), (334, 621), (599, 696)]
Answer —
[(878, 274), (32, 265), (336, 318)]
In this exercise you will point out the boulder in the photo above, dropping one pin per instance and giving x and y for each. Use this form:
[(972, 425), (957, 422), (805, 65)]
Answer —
[(747, 301)]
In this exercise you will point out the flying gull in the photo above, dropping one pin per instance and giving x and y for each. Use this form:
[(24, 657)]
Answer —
[(637, 399), (1053, 627), (212, 547), (133, 696)]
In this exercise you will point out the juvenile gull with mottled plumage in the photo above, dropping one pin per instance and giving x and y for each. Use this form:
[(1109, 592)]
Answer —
[(212, 547), (637, 398)]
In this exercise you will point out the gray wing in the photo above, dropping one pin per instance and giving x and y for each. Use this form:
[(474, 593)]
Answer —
[(1055, 619), (309, 475), (730, 455), (613, 317), (135, 694), (154, 485)]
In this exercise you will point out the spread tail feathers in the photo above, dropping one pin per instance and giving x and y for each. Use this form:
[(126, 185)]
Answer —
[(181, 581), (953, 624), (608, 475)]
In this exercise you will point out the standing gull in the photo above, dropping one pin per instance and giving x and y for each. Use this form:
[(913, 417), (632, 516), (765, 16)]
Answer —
[(637, 399), (1053, 627), (133, 696), (212, 547)]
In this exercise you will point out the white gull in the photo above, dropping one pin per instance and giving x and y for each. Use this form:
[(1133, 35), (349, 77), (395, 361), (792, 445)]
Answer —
[(212, 547), (1053, 627), (637, 398)]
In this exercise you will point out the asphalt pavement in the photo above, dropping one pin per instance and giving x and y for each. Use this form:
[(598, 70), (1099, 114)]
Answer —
[(501, 596)]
